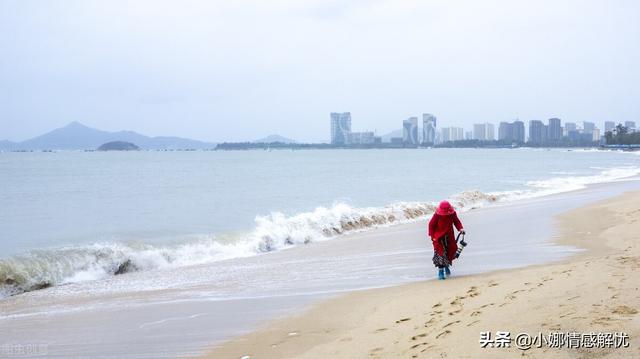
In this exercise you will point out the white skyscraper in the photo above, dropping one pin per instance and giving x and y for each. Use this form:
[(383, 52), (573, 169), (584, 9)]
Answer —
[(340, 128), (484, 132), (428, 129), (452, 134), (410, 131)]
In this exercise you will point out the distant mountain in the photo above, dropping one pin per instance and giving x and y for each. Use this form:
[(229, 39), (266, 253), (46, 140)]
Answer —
[(8, 145), (76, 136), (387, 137), (274, 138)]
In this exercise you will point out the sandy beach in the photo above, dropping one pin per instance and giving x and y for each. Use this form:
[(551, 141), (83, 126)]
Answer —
[(595, 291)]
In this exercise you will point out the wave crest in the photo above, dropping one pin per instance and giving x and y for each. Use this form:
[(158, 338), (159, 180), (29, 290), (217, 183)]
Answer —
[(44, 268)]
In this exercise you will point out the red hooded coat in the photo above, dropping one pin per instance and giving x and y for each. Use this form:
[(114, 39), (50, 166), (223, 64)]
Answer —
[(440, 226)]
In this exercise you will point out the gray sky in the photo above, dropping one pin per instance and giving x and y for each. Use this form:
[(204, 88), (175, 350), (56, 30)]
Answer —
[(243, 69)]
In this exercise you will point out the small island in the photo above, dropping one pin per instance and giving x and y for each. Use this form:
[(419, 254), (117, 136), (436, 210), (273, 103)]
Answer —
[(118, 146)]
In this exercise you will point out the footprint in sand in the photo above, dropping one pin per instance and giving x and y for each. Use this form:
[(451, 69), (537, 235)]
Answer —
[(473, 291), (436, 305), (476, 313), (450, 324), (446, 332), (624, 310), (429, 322), (487, 305), (381, 330), (402, 320), (605, 321), (415, 337), (472, 323), (493, 284), (458, 300)]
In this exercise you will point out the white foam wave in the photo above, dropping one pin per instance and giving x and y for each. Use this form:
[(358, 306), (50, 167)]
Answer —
[(564, 184), (44, 268)]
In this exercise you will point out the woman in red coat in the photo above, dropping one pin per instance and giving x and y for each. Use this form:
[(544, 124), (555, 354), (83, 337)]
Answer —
[(443, 238)]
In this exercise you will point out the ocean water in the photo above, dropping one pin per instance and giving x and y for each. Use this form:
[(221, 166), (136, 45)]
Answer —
[(73, 217)]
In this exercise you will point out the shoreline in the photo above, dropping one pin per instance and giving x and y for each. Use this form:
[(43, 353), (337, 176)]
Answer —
[(191, 318), (430, 318)]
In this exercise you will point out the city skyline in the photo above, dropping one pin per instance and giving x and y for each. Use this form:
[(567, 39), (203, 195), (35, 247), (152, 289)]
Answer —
[(534, 132)]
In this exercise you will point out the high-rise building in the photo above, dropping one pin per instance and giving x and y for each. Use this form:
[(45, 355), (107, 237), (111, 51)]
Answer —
[(537, 132), (609, 126), (484, 132), (588, 127), (505, 132), (428, 129), (410, 131), (479, 131), (459, 133), (518, 131), (452, 134), (569, 127), (595, 135), (340, 128), (360, 138), (554, 130), (573, 135), (491, 132), (631, 125), (446, 134)]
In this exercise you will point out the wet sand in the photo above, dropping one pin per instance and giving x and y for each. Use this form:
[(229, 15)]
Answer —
[(594, 291)]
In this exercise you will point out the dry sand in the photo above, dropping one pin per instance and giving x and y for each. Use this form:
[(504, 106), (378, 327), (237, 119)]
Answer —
[(596, 291)]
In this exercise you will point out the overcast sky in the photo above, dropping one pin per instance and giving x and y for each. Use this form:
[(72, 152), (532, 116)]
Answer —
[(243, 69)]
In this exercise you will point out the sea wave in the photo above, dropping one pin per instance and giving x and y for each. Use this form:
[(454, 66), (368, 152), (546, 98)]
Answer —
[(40, 269)]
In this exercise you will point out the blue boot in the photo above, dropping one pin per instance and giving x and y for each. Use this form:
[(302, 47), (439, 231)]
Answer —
[(441, 273), (447, 272)]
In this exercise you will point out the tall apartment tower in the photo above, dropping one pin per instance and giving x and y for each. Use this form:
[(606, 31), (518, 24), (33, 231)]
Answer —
[(428, 129), (555, 130), (631, 125), (505, 132), (511, 132), (484, 132), (569, 128), (410, 131), (588, 127), (340, 127), (537, 132), (609, 126), (452, 134), (518, 131), (491, 132)]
